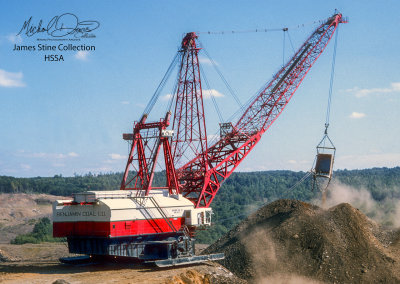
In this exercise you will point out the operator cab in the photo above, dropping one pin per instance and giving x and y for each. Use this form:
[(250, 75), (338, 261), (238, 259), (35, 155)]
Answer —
[(198, 217)]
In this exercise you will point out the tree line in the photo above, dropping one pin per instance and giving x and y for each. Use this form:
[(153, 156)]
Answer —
[(240, 195)]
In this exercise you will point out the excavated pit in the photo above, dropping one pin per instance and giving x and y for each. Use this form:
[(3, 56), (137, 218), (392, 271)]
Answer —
[(293, 241)]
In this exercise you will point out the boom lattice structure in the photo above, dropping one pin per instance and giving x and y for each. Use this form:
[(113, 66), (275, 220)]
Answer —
[(200, 184), (190, 138)]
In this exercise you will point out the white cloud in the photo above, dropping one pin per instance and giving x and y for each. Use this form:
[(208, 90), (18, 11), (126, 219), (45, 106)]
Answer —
[(212, 137), (207, 94), (125, 102), (10, 79), (117, 156), (58, 165), (104, 169), (73, 154), (292, 162), (204, 60), (368, 161), (46, 155), (359, 93), (395, 86), (50, 155), (14, 38), (357, 115), (25, 167), (166, 97), (99, 170), (82, 55), (53, 156)]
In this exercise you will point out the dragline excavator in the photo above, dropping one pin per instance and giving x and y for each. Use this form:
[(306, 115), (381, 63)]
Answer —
[(157, 223)]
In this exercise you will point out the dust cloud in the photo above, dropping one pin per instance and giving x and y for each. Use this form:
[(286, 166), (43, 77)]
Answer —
[(262, 250), (385, 212), (266, 260)]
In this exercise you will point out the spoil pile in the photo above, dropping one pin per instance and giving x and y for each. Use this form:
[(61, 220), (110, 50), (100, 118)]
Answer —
[(5, 257), (19, 212), (296, 240)]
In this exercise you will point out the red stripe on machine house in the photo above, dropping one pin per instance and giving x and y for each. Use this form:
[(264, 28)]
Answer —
[(115, 229)]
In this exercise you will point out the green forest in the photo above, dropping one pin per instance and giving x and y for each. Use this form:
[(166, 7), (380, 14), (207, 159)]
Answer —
[(240, 195), (42, 232)]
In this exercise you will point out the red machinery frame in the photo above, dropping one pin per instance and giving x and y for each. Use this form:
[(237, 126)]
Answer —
[(200, 178)]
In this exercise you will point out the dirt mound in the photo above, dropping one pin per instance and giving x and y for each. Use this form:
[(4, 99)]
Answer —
[(19, 212), (5, 257), (305, 243)]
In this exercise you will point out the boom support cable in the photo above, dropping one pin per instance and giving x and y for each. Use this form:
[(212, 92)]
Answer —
[(261, 30), (157, 92), (290, 40), (203, 75), (233, 93), (173, 94)]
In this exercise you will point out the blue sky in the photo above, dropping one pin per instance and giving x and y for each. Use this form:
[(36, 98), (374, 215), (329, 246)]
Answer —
[(68, 117)]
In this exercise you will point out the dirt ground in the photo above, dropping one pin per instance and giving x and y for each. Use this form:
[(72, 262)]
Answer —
[(38, 263)]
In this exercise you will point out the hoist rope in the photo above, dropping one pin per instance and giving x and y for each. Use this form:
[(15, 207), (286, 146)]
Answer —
[(321, 147), (328, 108), (283, 47)]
